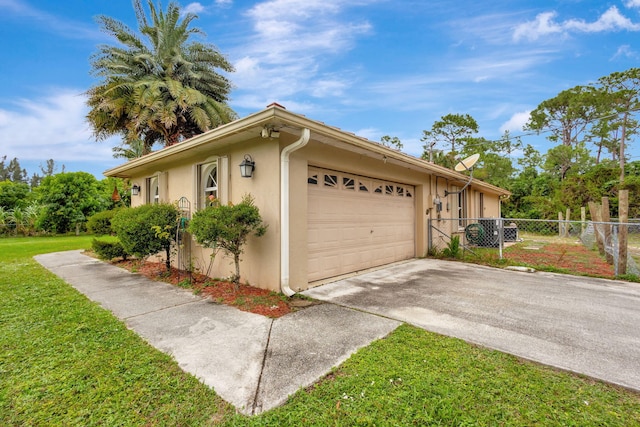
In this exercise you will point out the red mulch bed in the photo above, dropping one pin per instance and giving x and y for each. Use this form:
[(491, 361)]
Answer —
[(243, 297), (576, 259)]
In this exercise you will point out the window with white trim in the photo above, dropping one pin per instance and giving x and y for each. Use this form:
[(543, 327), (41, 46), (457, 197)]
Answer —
[(153, 190), (207, 183)]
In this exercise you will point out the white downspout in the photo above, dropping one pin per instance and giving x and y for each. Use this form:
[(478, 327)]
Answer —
[(284, 210)]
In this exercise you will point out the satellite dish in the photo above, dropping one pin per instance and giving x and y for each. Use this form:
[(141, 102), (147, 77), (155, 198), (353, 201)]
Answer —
[(462, 165), (467, 163)]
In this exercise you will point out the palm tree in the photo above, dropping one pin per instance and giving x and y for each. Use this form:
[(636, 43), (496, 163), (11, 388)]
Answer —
[(163, 90)]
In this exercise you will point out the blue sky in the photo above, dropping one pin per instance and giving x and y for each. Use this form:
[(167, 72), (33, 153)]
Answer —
[(372, 67)]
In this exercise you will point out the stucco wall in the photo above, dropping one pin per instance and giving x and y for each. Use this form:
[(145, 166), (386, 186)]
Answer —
[(260, 265)]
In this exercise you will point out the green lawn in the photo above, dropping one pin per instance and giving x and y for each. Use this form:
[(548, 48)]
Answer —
[(66, 361)]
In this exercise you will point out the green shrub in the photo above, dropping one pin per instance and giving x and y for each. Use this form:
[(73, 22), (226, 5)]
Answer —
[(227, 227), (453, 248), (100, 223), (136, 229), (108, 250)]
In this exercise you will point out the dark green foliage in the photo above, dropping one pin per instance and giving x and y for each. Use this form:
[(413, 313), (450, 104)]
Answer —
[(109, 250), (14, 194), (227, 227), (100, 223), (68, 199), (135, 229)]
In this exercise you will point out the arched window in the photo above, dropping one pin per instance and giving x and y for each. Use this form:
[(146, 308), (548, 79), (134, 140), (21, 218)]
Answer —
[(153, 190), (208, 183)]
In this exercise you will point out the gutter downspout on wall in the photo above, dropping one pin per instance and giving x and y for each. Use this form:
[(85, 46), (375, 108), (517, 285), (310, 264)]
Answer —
[(284, 210)]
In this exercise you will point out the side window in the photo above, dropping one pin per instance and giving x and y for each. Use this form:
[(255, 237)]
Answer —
[(207, 183), (462, 208), (153, 190)]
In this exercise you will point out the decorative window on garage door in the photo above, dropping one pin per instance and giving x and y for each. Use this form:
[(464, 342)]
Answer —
[(342, 181)]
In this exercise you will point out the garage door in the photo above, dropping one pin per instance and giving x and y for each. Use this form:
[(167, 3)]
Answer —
[(355, 223)]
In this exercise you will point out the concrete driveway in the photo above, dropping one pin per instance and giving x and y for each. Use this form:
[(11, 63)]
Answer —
[(584, 325)]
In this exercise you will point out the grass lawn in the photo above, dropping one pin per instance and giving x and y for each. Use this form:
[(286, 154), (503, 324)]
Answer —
[(66, 361)]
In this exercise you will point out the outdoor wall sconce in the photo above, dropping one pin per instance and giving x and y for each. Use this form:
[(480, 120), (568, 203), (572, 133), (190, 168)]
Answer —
[(135, 190), (247, 166)]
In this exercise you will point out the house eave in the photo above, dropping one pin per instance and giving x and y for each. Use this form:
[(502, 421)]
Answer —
[(285, 120)]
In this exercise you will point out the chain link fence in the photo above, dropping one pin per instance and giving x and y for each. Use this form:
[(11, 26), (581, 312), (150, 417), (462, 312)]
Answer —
[(507, 237)]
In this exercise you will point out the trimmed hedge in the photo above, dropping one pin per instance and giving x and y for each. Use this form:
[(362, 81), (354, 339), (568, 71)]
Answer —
[(148, 229), (100, 223), (109, 250)]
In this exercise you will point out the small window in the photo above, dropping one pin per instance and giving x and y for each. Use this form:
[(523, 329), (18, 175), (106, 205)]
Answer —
[(153, 190), (208, 184), (348, 183), (400, 191), (378, 189), (409, 193), (313, 179), (331, 181), (388, 190), (363, 186)]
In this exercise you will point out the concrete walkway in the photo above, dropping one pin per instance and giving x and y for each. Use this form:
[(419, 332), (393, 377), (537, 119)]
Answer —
[(251, 361)]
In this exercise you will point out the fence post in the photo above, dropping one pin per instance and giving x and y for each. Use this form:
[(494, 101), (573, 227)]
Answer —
[(596, 218), (607, 229), (583, 219), (623, 213), (429, 236), (500, 235), (566, 224), (560, 225)]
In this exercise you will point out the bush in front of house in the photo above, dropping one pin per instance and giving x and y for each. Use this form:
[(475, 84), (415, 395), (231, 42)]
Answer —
[(109, 250), (227, 227), (148, 229), (100, 223)]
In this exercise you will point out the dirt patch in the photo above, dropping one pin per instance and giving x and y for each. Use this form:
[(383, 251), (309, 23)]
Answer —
[(573, 258), (244, 297)]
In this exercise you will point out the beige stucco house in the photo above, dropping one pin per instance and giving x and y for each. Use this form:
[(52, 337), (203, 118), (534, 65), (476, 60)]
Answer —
[(335, 203)]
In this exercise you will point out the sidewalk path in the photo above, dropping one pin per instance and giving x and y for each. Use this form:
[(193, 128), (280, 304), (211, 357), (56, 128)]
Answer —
[(251, 361)]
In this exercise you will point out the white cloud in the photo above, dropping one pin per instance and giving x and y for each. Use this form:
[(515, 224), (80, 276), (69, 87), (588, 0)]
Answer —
[(44, 20), (192, 8), (632, 3), (516, 122), (291, 43), (611, 20), (625, 51), (545, 25), (51, 127)]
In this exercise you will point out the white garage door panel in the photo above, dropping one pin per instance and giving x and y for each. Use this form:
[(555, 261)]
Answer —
[(351, 227)]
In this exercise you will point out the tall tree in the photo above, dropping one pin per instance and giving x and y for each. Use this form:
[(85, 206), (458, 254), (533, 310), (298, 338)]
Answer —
[(158, 85), (392, 142), (567, 117), (12, 172), (69, 198), (623, 90), (451, 130)]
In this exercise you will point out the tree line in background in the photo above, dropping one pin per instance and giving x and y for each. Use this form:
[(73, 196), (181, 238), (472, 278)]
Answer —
[(590, 127), (54, 202)]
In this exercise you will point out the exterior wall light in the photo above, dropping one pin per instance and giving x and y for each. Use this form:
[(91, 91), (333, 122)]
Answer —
[(135, 190), (247, 167)]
